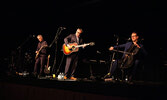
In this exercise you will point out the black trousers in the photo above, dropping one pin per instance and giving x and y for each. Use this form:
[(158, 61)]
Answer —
[(71, 64), (40, 62), (128, 71)]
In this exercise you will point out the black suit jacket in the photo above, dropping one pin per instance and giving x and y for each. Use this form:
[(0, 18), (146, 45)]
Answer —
[(141, 54), (72, 39)]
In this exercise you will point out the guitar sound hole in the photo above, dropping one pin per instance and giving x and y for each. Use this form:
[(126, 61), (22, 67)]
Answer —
[(73, 47)]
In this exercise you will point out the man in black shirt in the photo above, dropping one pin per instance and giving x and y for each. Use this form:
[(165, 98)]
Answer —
[(41, 55)]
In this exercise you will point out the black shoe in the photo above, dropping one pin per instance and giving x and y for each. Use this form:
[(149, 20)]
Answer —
[(129, 82)]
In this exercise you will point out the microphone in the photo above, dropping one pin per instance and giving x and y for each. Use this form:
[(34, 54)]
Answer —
[(129, 39), (63, 28), (98, 52), (33, 36), (115, 35)]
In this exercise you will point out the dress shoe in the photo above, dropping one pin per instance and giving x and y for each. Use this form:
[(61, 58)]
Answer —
[(73, 78), (65, 77)]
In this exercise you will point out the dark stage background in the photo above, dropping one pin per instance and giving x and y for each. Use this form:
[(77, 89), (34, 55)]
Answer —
[(101, 20)]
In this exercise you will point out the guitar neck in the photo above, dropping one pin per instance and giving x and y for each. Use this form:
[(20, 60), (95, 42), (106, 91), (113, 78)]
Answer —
[(81, 45), (42, 47), (48, 61)]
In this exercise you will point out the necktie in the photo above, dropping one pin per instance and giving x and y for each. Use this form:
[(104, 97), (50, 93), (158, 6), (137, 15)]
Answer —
[(77, 40)]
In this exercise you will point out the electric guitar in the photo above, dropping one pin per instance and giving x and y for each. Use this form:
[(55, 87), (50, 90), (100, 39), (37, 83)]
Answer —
[(74, 47), (37, 54), (47, 67)]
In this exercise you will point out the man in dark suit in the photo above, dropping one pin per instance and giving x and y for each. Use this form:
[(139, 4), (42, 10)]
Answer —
[(134, 60), (72, 59)]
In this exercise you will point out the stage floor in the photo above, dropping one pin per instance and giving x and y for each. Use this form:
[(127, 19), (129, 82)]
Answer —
[(137, 89)]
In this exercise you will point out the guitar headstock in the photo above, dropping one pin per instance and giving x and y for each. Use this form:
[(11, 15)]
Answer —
[(91, 43), (48, 56)]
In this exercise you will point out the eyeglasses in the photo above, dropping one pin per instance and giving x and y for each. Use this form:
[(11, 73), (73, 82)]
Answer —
[(134, 36)]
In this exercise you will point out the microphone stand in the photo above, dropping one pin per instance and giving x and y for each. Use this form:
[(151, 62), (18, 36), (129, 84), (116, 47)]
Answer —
[(19, 48), (55, 41), (112, 60)]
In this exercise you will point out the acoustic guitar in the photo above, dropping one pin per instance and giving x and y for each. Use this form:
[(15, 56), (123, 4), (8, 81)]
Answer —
[(74, 47)]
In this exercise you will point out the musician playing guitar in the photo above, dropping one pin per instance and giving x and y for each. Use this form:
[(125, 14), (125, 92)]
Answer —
[(133, 54), (72, 59), (41, 56)]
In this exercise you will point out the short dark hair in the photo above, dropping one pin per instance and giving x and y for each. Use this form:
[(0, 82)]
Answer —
[(135, 33)]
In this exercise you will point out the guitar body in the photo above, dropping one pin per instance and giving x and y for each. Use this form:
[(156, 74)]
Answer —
[(47, 70), (36, 56), (67, 51)]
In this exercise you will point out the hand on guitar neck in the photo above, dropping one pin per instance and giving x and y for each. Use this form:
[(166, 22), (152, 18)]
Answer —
[(84, 45)]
